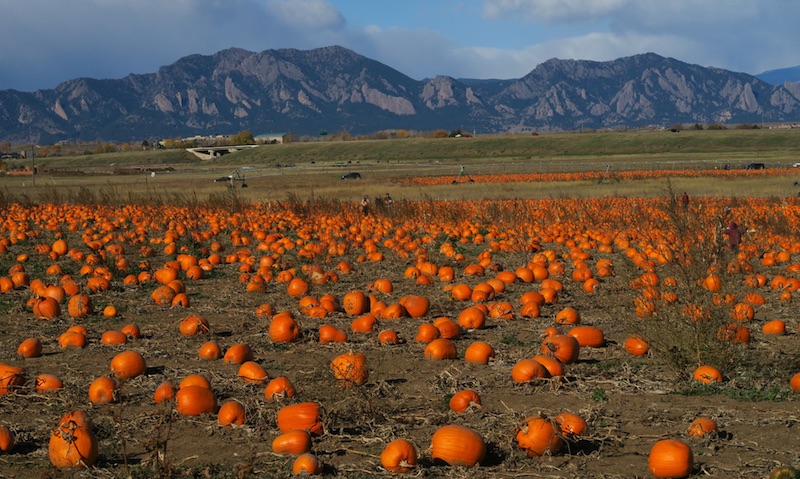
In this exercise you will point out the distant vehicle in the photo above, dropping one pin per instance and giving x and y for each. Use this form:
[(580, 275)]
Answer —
[(352, 176), (755, 166), (796, 165)]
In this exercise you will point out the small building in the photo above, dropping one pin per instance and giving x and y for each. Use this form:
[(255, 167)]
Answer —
[(270, 138)]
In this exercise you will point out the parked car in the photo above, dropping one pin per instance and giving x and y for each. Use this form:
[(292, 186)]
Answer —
[(755, 166), (796, 165)]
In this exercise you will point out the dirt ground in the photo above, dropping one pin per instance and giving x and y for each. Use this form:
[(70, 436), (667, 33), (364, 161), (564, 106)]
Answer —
[(629, 403)]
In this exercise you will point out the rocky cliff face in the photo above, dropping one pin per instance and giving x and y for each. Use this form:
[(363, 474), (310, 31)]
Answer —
[(335, 89)]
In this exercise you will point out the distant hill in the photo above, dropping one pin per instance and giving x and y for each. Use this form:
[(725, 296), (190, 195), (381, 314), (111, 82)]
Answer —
[(335, 89), (780, 76)]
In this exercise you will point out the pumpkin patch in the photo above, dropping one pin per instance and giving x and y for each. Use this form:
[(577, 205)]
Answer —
[(308, 337)]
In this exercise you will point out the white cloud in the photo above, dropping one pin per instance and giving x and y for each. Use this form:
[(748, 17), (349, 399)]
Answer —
[(551, 10), (303, 14)]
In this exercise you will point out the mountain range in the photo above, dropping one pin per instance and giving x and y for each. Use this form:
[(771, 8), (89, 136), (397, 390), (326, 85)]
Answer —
[(335, 89)]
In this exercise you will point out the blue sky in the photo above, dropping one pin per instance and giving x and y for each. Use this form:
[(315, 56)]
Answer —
[(45, 42)]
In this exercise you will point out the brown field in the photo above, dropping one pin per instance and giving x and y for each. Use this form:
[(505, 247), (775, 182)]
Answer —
[(628, 402)]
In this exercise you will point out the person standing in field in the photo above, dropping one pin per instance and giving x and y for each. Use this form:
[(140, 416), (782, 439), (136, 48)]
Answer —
[(734, 234), (685, 200), (365, 205)]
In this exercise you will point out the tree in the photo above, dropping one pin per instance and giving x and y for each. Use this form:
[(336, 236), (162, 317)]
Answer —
[(243, 138)]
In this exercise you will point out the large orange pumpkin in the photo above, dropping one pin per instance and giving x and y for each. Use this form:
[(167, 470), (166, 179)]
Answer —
[(72, 444), (128, 364), (671, 459), (458, 445), (195, 400), (304, 416)]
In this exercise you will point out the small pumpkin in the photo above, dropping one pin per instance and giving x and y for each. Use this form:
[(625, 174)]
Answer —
[(702, 426), (279, 388), (231, 413), (164, 392), (195, 400), (399, 456), (283, 328), (588, 336), (458, 445), (102, 390), (479, 352), (671, 459), (526, 369), (48, 382), (465, 400), (252, 372), (306, 464), (563, 347), (571, 424), (304, 416), (440, 349), (210, 351), (7, 439), (635, 345), (707, 374), (128, 364), (30, 348), (350, 369), (538, 436), (355, 303), (292, 442), (194, 324), (11, 377), (238, 354)]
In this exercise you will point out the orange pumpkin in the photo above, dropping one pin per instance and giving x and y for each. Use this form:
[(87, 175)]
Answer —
[(113, 337), (526, 369), (210, 351), (399, 456), (128, 364), (72, 444), (164, 392), (303, 416), (416, 306), (458, 445), (707, 375), (479, 352), (350, 369), (7, 439), (292, 442), (571, 424), (195, 400), (252, 372), (306, 464), (231, 413), (30, 348), (238, 354), (636, 346), (702, 426), (538, 436), (194, 324), (80, 306), (283, 328), (279, 388), (563, 347), (464, 400), (11, 377), (440, 349), (588, 336), (102, 390), (671, 458), (355, 303)]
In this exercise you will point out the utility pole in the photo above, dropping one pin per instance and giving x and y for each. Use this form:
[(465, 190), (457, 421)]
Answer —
[(33, 163)]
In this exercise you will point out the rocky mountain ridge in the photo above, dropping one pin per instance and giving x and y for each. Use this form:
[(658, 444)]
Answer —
[(335, 89)]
